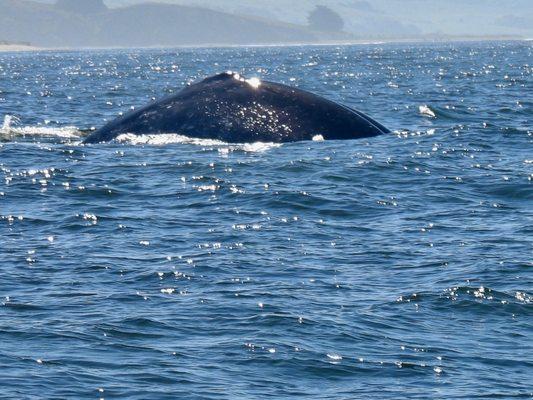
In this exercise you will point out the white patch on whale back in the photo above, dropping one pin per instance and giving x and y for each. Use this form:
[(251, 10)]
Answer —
[(318, 138), (254, 82)]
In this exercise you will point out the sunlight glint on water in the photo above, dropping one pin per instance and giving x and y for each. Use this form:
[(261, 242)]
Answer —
[(170, 267)]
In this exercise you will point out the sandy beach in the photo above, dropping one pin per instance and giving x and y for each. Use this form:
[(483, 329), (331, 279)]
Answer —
[(17, 47), (22, 47)]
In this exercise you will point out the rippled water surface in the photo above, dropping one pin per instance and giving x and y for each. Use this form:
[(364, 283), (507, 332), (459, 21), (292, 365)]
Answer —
[(163, 268)]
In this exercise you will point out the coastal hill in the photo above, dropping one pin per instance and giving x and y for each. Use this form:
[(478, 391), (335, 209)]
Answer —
[(89, 23), (389, 18)]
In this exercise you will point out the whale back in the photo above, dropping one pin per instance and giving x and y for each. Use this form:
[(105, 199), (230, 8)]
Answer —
[(230, 108)]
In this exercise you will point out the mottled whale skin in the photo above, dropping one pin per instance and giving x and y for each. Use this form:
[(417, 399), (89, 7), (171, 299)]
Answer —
[(233, 109)]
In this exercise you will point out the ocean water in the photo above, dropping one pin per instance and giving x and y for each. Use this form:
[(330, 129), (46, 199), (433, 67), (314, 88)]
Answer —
[(167, 267)]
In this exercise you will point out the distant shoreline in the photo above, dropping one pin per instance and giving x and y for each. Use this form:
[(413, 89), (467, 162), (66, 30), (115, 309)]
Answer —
[(23, 47), (17, 47)]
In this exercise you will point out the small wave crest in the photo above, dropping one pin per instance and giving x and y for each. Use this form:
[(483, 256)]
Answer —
[(8, 120), (10, 130), (425, 110)]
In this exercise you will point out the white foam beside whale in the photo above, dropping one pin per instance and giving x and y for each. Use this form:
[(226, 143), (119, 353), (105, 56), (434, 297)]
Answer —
[(11, 129)]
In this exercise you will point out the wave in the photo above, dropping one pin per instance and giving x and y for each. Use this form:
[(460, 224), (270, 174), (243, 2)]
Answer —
[(425, 110), (451, 112), (9, 130), (173, 138)]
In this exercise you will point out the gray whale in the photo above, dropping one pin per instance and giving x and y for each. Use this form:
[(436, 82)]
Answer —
[(233, 109)]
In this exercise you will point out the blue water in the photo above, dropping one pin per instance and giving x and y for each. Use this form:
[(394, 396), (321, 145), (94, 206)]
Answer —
[(166, 268)]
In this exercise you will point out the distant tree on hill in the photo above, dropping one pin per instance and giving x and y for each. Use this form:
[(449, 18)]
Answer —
[(82, 6), (323, 18)]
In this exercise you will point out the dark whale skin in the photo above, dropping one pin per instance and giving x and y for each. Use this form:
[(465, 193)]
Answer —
[(229, 108)]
